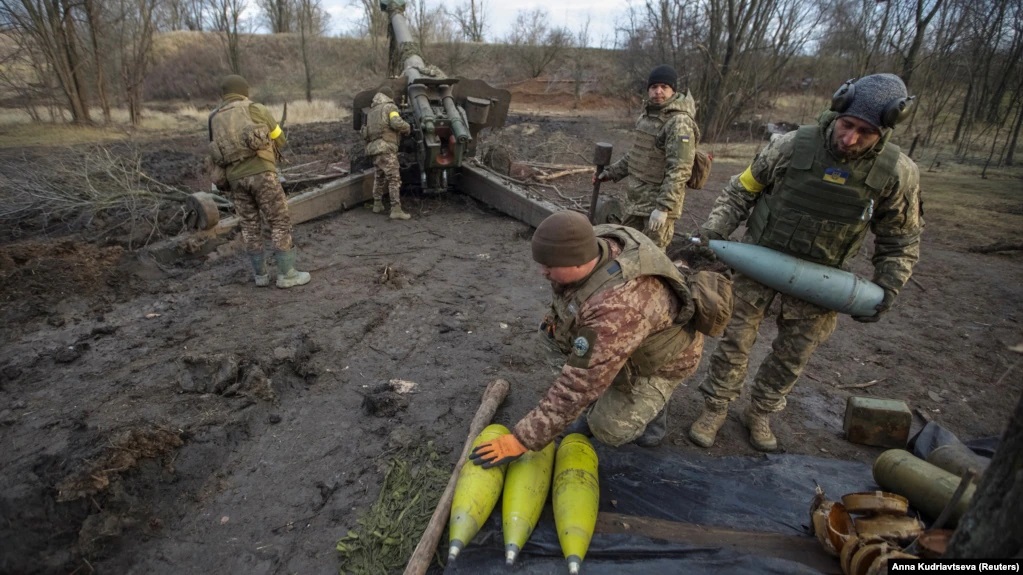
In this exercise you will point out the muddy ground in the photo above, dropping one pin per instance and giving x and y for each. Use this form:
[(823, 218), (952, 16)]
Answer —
[(174, 418)]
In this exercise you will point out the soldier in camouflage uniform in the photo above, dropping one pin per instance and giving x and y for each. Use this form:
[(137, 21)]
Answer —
[(622, 315), (244, 142), (384, 126), (813, 193), (661, 159)]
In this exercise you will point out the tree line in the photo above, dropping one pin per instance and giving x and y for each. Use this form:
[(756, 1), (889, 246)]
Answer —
[(963, 59)]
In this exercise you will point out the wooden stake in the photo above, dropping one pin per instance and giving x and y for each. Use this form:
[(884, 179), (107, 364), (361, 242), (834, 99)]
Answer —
[(423, 555)]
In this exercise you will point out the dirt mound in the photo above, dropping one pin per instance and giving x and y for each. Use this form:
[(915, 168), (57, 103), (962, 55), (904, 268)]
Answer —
[(35, 275)]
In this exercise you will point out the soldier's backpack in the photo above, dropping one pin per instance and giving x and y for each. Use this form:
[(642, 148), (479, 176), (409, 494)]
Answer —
[(701, 170)]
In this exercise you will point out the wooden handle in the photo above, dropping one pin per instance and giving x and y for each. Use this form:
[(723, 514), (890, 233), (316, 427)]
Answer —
[(421, 558)]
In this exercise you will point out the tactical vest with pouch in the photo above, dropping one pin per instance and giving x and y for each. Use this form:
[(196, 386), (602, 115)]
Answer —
[(639, 257), (380, 137), (236, 137), (646, 160), (820, 211)]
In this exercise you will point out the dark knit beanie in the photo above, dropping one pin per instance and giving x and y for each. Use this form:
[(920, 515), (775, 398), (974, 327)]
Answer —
[(663, 74), (234, 84), (873, 94), (387, 91), (564, 239)]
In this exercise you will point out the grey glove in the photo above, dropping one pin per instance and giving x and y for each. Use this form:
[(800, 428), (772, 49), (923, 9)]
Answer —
[(603, 176), (885, 305)]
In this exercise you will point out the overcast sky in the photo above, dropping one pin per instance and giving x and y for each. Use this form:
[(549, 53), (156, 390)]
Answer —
[(500, 15)]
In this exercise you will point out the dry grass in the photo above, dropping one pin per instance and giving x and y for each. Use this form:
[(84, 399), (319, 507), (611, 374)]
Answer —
[(18, 130)]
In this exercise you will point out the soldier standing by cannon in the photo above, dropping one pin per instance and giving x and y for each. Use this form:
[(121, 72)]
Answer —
[(383, 130)]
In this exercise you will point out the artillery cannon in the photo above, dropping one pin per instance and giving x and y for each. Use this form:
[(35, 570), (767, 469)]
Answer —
[(446, 113)]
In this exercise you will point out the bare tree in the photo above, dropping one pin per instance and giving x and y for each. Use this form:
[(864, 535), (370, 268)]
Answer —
[(227, 20), (313, 21), (374, 26), (52, 26), (990, 527), (135, 26), (536, 44), (279, 15), (93, 17), (471, 16)]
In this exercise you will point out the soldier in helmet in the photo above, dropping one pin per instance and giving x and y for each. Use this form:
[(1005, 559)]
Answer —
[(630, 326), (661, 159), (813, 194), (244, 142), (383, 130)]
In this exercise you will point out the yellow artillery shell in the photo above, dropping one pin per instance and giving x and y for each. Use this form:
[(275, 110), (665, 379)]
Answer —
[(576, 497), (476, 493), (525, 492)]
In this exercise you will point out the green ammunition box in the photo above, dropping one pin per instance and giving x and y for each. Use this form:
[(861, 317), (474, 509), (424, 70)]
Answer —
[(879, 422)]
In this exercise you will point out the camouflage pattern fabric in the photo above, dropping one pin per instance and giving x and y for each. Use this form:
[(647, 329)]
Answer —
[(897, 220), (615, 322), (262, 194), (675, 145), (661, 237), (387, 178), (802, 327), (256, 164)]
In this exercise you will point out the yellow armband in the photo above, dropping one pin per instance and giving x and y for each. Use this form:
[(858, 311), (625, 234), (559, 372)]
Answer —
[(276, 133), (392, 115), (749, 182)]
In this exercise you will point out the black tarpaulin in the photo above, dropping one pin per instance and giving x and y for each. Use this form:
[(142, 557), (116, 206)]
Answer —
[(769, 494)]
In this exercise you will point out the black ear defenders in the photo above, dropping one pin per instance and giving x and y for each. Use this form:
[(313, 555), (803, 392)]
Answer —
[(894, 111)]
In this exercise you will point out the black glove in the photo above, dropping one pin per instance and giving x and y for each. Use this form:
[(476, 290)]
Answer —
[(885, 305), (701, 243)]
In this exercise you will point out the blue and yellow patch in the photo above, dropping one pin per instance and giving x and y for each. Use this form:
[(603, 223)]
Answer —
[(582, 348), (685, 138), (836, 175)]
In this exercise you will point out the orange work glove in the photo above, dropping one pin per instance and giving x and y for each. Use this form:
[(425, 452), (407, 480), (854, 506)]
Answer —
[(504, 449)]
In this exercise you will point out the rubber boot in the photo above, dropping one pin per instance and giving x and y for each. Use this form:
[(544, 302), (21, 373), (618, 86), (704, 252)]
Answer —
[(704, 430), (654, 433), (759, 425), (397, 213), (378, 206), (287, 275), (258, 261)]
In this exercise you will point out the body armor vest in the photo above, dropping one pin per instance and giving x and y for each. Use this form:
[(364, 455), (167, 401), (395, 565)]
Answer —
[(235, 137), (639, 257), (378, 125), (646, 160), (820, 212)]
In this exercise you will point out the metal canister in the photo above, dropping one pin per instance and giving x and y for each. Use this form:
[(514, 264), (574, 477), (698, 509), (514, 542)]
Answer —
[(956, 458), (928, 487)]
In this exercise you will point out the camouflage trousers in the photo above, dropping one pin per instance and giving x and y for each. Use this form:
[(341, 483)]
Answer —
[(802, 327), (661, 237), (262, 194), (387, 178)]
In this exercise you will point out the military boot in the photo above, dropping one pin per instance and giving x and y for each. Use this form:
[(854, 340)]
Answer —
[(258, 261), (704, 430), (655, 430), (287, 275), (759, 424), (397, 213), (378, 206)]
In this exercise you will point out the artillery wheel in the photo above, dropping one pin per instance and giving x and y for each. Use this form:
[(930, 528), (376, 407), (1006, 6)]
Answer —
[(201, 211)]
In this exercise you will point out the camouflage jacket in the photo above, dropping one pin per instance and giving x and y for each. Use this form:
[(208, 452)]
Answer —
[(672, 133), (617, 320), (254, 165), (896, 222), (383, 125)]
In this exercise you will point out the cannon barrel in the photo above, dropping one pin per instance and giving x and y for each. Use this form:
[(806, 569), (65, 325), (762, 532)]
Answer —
[(446, 113)]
